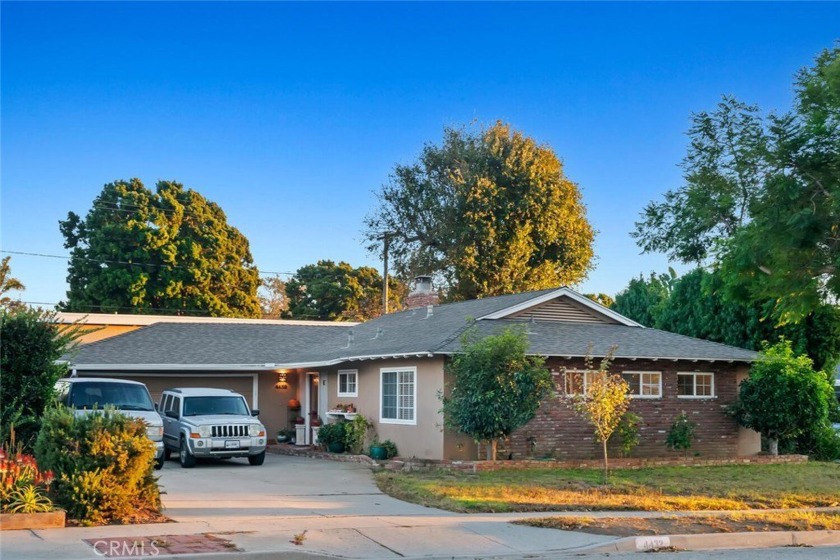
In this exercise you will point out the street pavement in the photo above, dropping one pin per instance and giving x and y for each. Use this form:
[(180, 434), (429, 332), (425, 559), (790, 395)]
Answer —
[(334, 508)]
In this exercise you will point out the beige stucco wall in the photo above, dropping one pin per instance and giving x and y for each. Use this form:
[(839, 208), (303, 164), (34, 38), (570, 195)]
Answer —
[(274, 404), (424, 439), (749, 442)]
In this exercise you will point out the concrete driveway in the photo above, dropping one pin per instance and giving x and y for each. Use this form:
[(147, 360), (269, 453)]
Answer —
[(341, 510)]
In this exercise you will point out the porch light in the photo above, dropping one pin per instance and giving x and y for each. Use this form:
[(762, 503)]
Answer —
[(281, 384)]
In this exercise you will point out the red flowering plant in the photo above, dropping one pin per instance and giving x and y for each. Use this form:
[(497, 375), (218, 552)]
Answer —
[(23, 486)]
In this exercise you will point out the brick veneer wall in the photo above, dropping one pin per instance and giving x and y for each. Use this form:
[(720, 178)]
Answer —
[(558, 433)]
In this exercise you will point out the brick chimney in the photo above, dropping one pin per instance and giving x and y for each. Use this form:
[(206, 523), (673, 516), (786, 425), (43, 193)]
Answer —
[(422, 295)]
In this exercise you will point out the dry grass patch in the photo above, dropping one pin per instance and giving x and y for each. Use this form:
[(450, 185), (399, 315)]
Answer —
[(692, 524), (731, 487)]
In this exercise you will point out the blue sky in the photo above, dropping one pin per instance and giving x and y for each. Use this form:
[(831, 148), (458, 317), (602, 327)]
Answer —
[(290, 116)]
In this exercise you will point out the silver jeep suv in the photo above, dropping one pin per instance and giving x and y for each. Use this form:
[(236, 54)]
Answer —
[(203, 422)]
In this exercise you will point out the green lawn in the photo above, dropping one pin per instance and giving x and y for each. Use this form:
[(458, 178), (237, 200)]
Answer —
[(733, 487)]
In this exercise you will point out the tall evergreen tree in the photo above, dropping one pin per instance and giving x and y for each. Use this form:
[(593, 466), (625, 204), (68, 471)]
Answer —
[(165, 252)]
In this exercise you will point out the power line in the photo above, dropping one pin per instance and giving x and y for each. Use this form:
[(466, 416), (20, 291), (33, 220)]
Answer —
[(106, 261), (192, 312)]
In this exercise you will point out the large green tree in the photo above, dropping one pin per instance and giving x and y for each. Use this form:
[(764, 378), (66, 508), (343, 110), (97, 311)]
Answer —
[(697, 304), (339, 292), (170, 251), (762, 197), (31, 342), (496, 388), (488, 211), (9, 283), (783, 397)]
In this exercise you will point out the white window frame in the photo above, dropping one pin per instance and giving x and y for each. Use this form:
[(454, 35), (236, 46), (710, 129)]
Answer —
[(355, 392), (694, 375), (413, 371), (641, 383), (585, 379)]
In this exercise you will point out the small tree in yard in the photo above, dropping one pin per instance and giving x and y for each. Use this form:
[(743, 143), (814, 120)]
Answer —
[(603, 400), (783, 396), (496, 388)]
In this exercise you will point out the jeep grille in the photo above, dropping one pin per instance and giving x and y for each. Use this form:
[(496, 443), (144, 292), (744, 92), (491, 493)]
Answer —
[(236, 430)]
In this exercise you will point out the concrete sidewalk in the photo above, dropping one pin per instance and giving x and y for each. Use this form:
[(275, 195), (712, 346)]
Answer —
[(340, 513)]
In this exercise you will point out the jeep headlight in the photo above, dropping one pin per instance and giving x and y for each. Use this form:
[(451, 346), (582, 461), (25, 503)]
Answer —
[(154, 433), (255, 430), (205, 431)]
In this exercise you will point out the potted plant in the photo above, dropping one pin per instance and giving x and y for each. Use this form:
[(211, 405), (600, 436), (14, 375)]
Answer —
[(378, 452), (283, 436), (332, 436)]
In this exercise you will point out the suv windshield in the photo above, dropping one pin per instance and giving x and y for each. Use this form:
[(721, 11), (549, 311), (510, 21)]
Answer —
[(200, 406), (122, 396)]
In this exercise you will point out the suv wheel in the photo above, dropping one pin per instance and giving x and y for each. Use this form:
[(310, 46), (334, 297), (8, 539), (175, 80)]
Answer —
[(257, 459), (159, 463), (187, 461)]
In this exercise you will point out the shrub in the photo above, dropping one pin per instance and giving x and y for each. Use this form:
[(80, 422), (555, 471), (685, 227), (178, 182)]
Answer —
[(355, 433), (31, 342), (23, 486), (332, 433), (681, 435), (390, 448), (820, 444), (103, 465), (628, 433)]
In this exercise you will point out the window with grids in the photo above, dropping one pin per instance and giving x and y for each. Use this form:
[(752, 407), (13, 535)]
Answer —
[(348, 383), (577, 380), (398, 396), (695, 384), (644, 384)]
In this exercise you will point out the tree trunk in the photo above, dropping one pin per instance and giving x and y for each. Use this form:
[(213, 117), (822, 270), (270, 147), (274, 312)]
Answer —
[(491, 449), (606, 464), (773, 445)]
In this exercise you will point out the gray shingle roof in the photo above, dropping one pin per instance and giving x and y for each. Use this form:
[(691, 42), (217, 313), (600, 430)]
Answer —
[(404, 333), (575, 339), (206, 343)]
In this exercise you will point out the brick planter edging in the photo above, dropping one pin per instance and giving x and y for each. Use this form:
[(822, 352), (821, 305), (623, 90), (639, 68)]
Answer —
[(291, 450), (632, 463), (413, 464), (46, 520)]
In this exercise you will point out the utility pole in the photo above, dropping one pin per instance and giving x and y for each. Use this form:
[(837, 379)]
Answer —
[(386, 243)]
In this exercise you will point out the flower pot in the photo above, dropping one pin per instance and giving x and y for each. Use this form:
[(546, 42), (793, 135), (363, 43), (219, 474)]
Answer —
[(378, 453), (336, 447)]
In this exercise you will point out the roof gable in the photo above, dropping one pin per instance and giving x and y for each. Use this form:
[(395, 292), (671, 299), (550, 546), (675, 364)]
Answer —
[(563, 305)]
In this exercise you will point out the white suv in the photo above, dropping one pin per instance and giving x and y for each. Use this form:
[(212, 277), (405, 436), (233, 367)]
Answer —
[(86, 394), (203, 422)]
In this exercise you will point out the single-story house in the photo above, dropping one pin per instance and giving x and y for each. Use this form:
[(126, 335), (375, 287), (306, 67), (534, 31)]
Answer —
[(393, 370)]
